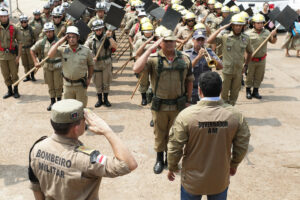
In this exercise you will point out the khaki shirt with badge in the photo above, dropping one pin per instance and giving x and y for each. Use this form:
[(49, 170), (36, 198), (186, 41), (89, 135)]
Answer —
[(104, 58), (64, 169), (75, 64), (169, 86), (27, 36), (257, 39), (233, 49), (38, 48), (212, 137), (5, 41)]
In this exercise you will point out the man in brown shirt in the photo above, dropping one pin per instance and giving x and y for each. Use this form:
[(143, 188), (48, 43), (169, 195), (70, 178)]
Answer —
[(62, 168), (215, 137)]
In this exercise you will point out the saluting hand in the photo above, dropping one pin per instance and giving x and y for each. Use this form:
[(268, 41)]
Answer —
[(150, 39), (156, 44), (96, 124), (225, 26)]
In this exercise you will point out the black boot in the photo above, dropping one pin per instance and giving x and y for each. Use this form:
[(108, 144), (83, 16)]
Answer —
[(159, 165), (51, 104), (151, 123), (243, 82), (32, 77), (144, 99), (16, 92), (255, 93), (27, 79), (58, 98), (99, 102), (9, 92), (106, 102), (248, 93)]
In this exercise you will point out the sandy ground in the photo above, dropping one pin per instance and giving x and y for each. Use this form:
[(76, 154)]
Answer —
[(271, 169)]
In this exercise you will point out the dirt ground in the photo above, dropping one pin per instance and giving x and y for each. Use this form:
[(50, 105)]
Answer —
[(271, 169)]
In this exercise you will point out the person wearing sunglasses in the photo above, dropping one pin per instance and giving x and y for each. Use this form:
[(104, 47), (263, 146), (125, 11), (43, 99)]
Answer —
[(183, 35), (59, 25)]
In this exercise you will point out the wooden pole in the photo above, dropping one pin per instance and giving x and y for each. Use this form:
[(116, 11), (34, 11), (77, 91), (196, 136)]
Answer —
[(137, 85), (100, 47), (185, 41), (123, 52)]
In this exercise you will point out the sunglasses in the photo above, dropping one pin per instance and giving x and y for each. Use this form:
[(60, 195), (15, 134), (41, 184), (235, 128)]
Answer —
[(191, 20), (24, 22), (56, 17)]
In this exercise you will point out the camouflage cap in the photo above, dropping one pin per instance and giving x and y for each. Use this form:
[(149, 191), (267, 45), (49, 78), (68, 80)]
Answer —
[(67, 111)]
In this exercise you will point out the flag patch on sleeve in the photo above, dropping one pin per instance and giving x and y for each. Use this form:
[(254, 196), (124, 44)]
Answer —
[(101, 159)]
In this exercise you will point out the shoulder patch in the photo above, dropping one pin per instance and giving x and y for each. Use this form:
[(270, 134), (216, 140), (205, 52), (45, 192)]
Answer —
[(85, 150)]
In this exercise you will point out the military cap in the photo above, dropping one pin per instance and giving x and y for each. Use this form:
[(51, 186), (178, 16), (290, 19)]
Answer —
[(67, 111), (168, 35)]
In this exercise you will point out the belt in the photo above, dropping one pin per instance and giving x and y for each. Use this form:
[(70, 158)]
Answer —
[(51, 61), (26, 47), (96, 70), (169, 101), (73, 81), (259, 59)]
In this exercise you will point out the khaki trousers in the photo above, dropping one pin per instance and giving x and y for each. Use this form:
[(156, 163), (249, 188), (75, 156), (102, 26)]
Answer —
[(256, 72), (144, 84), (54, 80), (9, 71), (27, 59), (103, 79), (77, 92), (163, 120), (231, 87)]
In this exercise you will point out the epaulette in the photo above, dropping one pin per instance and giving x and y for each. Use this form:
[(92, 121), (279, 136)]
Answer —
[(94, 154)]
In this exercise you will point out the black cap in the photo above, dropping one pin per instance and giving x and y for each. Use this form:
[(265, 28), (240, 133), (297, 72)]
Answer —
[(170, 19), (76, 9), (287, 17)]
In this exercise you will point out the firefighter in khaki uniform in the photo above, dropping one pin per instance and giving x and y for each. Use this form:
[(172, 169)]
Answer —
[(27, 38), (183, 34), (60, 167), (234, 46), (100, 14), (10, 53), (37, 22), (212, 137), (52, 67), (103, 65), (77, 65), (141, 45), (172, 83), (59, 25), (256, 68), (46, 16)]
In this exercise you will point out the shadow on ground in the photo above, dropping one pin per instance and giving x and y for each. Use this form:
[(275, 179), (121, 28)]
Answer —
[(263, 121), (13, 174)]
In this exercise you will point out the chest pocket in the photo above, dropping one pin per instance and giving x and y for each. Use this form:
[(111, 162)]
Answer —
[(82, 59), (243, 46), (229, 45), (66, 57)]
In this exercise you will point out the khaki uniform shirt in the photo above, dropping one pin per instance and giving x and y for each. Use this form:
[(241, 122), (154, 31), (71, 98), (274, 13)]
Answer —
[(183, 34), (131, 22), (75, 64), (257, 39), (169, 86), (5, 41), (37, 48), (60, 27), (105, 54), (233, 49), (140, 42), (45, 18), (38, 27), (27, 37), (64, 172), (209, 131), (128, 16), (178, 28)]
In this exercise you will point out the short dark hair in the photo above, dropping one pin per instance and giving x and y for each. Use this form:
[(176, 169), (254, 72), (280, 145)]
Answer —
[(63, 128), (210, 84)]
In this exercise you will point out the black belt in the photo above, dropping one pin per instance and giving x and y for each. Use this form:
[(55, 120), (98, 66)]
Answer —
[(73, 81), (49, 61), (169, 101), (26, 47)]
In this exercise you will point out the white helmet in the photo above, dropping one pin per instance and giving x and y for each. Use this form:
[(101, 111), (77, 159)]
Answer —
[(72, 29), (65, 5), (47, 6), (49, 26), (97, 24), (57, 11), (3, 12), (101, 6), (36, 12), (23, 18)]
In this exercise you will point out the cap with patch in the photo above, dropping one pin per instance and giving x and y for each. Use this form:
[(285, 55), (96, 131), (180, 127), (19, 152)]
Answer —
[(199, 34), (168, 35), (67, 111)]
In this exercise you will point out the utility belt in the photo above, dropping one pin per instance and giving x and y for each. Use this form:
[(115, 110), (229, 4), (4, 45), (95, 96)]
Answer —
[(81, 80), (180, 102), (259, 59), (27, 46), (53, 61)]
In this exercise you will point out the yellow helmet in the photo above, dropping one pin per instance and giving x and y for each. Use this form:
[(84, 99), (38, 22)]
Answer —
[(245, 15), (238, 19), (175, 1), (211, 2), (235, 9), (190, 15), (135, 3), (147, 26), (258, 18), (145, 20), (199, 26), (159, 30), (225, 9), (218, 5)]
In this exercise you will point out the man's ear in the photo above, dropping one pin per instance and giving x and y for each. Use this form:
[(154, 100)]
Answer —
[(200, 92)]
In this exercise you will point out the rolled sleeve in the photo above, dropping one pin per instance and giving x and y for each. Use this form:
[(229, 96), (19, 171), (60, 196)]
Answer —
[(240, 143), (90, 60), (249, 47), (177, 139)]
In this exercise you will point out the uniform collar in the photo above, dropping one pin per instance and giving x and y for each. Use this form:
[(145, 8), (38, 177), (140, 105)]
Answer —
[(78, 48), (161, 53), (210, 99), (210, 103), (65, 140)]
